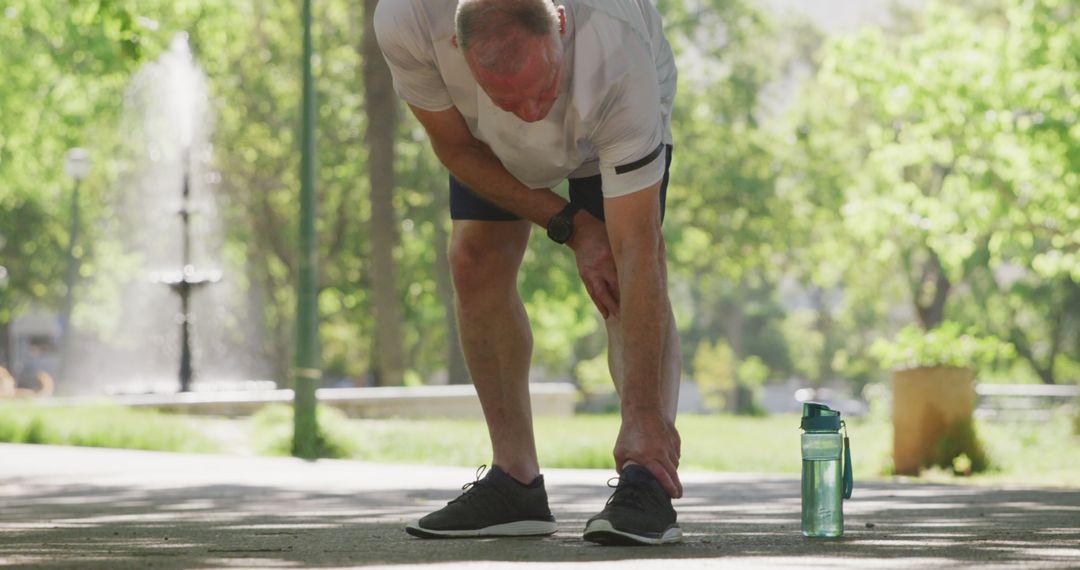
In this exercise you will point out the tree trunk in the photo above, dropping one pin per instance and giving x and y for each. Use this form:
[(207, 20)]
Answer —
[(741, 399), (5, 344), (1062, 305), (823, 323), (933, 290), (283, 328), (257, 324), (381, 130), (930, 288)]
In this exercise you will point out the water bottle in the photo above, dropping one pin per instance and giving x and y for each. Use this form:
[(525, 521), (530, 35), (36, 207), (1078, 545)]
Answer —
[(826, 471)]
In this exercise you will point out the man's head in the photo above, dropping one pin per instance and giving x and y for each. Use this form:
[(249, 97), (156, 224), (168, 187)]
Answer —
[(514, 50)]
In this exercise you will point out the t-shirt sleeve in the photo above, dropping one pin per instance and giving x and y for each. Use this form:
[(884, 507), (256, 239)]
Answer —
[(629, 136), (404, 37)]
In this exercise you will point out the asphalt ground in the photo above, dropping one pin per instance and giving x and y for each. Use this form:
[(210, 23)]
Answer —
[(64, 507)]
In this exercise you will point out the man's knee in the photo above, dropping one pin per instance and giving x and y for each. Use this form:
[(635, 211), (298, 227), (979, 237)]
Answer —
[(483, 260)]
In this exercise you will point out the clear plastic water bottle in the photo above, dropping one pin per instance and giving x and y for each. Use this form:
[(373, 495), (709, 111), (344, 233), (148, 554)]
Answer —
[(826, 471)]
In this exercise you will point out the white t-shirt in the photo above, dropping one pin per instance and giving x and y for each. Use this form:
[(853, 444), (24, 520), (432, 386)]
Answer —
[(613, 113)]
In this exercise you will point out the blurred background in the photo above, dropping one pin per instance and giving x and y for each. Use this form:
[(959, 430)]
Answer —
[(858, 186)]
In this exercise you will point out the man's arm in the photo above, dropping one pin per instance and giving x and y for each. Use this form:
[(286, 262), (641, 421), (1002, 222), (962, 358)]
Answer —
[(472, 162), (648, 436)]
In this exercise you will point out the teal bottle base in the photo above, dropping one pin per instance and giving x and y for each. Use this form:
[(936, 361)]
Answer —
[(823, 534)]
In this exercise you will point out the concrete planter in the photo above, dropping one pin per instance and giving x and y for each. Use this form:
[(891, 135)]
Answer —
[(932, 414)]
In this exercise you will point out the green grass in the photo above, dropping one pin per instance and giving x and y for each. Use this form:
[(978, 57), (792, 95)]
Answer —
[(102, 425), (717, 443), (1026, 453), (1043, 454)]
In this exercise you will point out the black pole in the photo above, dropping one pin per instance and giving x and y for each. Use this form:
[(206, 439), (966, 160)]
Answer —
[(185, 340), (186, 372)]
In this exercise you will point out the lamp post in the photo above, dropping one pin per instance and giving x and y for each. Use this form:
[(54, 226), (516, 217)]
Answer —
[(77, 166), (307, 372)]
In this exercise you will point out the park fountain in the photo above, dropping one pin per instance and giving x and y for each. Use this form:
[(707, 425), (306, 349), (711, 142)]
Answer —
[(187, 279), (170, 103), (168, 220)]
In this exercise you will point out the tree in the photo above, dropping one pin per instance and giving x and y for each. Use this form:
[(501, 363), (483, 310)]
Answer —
[(382, 110), (725, 223), (65, 65), (957, 156)]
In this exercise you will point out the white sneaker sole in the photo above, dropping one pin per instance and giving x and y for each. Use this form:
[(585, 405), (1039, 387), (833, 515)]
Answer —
[(601, 532), (518, 528)]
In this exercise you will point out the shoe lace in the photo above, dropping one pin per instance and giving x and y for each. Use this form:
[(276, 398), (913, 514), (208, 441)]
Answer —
[(472, 487), (627, 493)]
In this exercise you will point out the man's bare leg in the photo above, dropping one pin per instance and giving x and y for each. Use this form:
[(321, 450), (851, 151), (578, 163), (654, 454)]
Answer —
[(495, 335), (671, 366), (629, 517)]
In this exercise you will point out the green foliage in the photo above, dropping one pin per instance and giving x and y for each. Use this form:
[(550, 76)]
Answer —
[(941, 160), (947, 345), (1029, 453), (272, 427), (69, 63), (726, 383), (593, 376), (947, 157), (714, 373), (960, 450), (725, 222), (62, 62), (753, 372), (102, 425)]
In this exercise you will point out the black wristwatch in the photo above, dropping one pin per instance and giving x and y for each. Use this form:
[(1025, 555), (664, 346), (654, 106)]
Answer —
[(560, 227)]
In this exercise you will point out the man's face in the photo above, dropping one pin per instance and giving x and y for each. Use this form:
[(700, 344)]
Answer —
[(531, 93)]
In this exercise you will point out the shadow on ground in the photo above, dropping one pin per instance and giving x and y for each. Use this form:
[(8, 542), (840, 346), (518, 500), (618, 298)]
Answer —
[(102, 527)]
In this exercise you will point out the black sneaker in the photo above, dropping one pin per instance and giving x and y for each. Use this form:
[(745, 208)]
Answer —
[(638, 512), (496, 505)]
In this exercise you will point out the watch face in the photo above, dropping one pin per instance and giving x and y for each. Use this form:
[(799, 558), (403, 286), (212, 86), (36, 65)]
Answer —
[(559, 229)]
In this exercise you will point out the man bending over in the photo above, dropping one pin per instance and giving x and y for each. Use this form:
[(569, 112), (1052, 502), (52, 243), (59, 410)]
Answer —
[(517, 96)]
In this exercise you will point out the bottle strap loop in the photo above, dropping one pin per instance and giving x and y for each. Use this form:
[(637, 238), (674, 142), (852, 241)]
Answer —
[(849, 477)]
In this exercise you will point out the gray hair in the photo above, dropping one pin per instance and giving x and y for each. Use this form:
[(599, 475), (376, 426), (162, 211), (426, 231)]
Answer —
[(493, 29)]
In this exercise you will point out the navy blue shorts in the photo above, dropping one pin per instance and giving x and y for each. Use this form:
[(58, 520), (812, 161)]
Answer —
[(586, 192)]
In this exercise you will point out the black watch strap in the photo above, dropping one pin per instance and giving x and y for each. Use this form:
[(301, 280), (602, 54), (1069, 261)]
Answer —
[(561, 226)]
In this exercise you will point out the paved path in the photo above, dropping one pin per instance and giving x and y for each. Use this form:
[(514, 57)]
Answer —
[(64, 507)]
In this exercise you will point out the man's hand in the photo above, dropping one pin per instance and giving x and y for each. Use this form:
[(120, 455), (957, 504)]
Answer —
[(650, 440), (595, 263)]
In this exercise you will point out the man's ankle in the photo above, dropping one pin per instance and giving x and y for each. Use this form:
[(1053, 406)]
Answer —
[(525, 475)]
